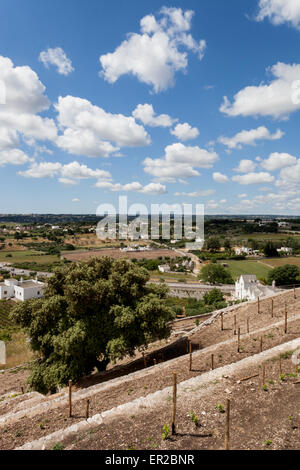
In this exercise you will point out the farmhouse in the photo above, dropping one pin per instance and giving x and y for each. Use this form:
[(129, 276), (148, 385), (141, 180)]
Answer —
[(247, 287), (21, 290)]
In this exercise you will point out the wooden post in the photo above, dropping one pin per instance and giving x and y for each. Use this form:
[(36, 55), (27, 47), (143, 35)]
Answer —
[(261, 344), (174, 403), (248, 329), (239, 339), (144, 359), (70, 398), (295, 293), (22, 390), (263, 374), (227, 428), (258, 306), (272, 308), (285, 320), (212, 362), (234, 325), (188, 346), (87, 413), (191, 355), (222, 322)]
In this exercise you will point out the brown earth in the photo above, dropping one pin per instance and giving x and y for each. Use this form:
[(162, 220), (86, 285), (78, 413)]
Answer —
[(116, 253), (222, 344)]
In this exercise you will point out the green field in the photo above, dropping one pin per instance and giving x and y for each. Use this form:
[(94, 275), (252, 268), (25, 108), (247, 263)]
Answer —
[(28, 256), (275, 262), (172, 277), (237, 268)]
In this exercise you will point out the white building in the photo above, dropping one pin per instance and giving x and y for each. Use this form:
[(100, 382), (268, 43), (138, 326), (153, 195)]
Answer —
[(243, 251), (285, 250), (247, 287), (21, 290), (164, 268)]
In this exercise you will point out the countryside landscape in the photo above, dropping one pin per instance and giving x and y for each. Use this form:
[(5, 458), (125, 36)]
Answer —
[(149, 230)]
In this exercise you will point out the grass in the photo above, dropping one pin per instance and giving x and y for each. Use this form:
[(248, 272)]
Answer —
[(156, 275), (237, 268), (27, 256), (17, 350)]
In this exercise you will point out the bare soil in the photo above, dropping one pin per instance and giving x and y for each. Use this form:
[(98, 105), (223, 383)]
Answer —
[(223, 344)]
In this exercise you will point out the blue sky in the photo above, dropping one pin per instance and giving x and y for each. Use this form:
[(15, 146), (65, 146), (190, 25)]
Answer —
[(100, 99)]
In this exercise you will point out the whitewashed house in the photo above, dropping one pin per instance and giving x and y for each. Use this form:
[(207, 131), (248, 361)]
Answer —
[(247, 287), (21, 290), (164, 268), (286, 250)]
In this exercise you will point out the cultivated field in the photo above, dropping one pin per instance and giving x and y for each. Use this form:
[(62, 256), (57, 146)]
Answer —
[(27, 256), (116, 253), (275, 262)]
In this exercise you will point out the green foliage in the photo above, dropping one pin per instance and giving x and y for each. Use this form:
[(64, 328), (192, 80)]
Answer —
[(213, 297), (220, 408), (213, 244), (194, 418), (270, 250), (92, 313), (166, 432), (284, 275), (215, 274)]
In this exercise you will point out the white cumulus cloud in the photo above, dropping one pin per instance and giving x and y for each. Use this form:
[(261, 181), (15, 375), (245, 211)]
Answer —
[(58, 58), (280, 11), (278, 99), (179, 161), (249, 137), (185, 132), (253, 178), (245, 166), (153, 56), (220, 178), (146, 114), (276, 161)]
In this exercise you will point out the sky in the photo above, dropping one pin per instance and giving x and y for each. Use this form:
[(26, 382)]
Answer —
[(188, 102)]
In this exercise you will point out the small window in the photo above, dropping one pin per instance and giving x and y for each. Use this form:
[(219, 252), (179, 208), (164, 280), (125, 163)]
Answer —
[(38, 293)]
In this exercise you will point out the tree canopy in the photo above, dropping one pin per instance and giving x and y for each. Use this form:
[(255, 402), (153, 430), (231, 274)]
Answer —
[(215, 274), (284, 275), (92, 313)]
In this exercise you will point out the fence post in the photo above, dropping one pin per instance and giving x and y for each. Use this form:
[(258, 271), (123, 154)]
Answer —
[(285, 319), (239, 339), (272, 308), (248, 329), (174, 403), (234, 325), (145, 362), (258, 305), (295, 293), (263, 374), (227, 429), (212, 362), (70, 398), (222, 322), (87, 408), (261, 344), (191, 356)]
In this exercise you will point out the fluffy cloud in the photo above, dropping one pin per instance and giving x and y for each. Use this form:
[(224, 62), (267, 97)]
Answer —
[(276, 161), (58, 58), (24, 99), (152, 188), (249, 137), (146, 114), (185, 132), (89, 130), (13, 157), (204, 193), (280, 11), (245, 166), (290, 176), (220, 178), (153, 56), (179, 162), (277, 99), (253, 178), (70, 173)]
